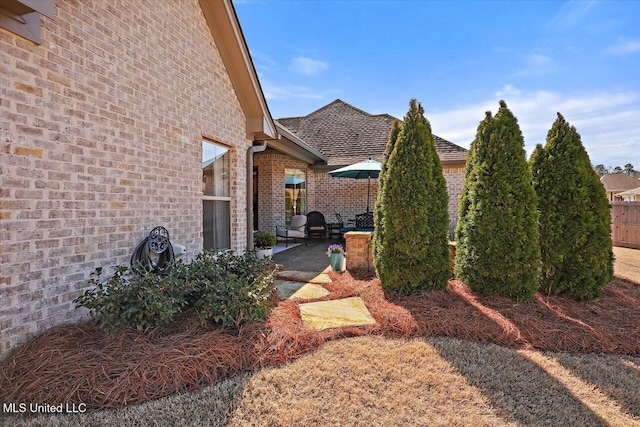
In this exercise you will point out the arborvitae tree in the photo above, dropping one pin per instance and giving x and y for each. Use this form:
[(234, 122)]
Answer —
[(378, 218), (575, 221), (413, 252), (497, 233)]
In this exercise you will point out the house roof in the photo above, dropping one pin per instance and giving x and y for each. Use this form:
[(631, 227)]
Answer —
[(615, 182), (346, 134), (632, 192)]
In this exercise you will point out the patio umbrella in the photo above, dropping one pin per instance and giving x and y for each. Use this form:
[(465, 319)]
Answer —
[(362, 170)]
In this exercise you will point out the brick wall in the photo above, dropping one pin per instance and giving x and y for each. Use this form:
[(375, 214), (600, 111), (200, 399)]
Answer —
[(101, 141), (455, 182), (271, 196), (345, 196), (326, 194)]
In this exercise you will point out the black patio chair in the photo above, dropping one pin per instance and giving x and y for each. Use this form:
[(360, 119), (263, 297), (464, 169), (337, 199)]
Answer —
[(316, 225), (364, 222), (342, 228), (334, 228)]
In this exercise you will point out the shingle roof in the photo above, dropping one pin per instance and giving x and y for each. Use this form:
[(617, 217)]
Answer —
[(346, 134), (614, 182)]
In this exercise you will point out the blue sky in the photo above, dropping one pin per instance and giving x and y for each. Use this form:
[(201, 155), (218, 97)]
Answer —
[(458, 58)]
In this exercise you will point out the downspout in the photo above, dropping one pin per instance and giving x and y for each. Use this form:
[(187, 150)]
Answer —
[(253, 149)]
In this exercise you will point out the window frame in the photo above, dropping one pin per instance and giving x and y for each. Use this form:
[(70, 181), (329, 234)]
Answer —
[(215, 198)]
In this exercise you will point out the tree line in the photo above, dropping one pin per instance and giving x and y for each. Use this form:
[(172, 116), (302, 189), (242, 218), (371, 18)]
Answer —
[(601, 170)]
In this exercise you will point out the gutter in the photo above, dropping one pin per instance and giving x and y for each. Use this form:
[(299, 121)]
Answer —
[(250, 152)]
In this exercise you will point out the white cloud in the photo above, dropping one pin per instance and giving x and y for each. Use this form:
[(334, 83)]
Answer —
[(538, 59), (607, 122), (273, 91), (307, 66), (625, 47), (508, 90), (534, 65), (570, 14), (263, 62)]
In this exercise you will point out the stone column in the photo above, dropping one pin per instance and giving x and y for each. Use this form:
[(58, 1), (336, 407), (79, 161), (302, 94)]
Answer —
[(359, 250)]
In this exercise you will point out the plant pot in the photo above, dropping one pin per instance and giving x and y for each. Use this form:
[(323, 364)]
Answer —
[(264, 253), (337, 262)]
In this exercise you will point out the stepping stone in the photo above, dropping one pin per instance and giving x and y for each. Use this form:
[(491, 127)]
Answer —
[(305, 276), (286, 288), (305, 291), (335, 313), (310, 291)]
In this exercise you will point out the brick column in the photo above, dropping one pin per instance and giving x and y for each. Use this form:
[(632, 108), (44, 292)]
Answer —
[(359, 250)]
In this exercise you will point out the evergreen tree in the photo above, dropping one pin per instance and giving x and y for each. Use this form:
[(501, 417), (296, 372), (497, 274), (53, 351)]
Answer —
[(413, 251), (378, 218), (600, 170), (575, 221), (497, 234), (628, 169)]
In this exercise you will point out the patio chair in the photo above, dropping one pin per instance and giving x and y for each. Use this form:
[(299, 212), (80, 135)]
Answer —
[(296, 230), (333, 228), (316, 225), (364, 222), (342, 229)]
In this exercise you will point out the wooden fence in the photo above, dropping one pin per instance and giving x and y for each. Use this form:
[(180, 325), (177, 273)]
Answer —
[(625, 224)]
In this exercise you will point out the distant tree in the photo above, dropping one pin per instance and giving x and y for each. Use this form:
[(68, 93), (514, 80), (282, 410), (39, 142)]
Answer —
[(378, 217), (628, 169), (617, 169), (413, 243), (497, 234), (575, 222), (600, 170)]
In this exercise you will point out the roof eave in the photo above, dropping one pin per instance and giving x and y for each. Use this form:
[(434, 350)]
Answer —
[(294, 146), (227, 34)]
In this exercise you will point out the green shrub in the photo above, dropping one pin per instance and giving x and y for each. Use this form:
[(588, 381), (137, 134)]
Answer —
[(412, 252), (378, 213), (575, 221), (232, 290), (497, 234), (140, 300), (228, 289), (263, 240)]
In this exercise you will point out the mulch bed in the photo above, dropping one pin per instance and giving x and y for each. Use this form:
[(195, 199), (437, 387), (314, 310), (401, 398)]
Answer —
[(81, 364)]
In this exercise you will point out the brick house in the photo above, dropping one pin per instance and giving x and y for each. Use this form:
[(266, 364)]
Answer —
[(342, 134), (119, 116), (116, 117)]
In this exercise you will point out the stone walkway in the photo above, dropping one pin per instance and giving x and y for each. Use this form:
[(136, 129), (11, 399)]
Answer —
[(321, 315)]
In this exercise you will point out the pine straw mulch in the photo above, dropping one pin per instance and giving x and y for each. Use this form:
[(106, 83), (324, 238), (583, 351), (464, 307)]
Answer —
[(81, 364)]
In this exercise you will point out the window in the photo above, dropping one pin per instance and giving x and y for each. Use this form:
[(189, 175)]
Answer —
[(295, 193), (216, 196)]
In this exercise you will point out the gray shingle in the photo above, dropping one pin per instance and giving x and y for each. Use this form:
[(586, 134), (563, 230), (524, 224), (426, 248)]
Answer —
[(346, 134)]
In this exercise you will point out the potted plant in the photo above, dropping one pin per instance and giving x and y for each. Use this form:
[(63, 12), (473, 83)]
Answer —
[(335, 253), (263, 242)]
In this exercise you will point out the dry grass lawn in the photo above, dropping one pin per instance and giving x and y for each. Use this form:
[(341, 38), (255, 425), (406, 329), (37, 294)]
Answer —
[(376, 381), (627, 264), (402, 371)]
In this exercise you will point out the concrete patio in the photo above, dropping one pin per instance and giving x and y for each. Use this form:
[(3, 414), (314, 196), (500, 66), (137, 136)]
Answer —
[(312, 258), (305, 271)]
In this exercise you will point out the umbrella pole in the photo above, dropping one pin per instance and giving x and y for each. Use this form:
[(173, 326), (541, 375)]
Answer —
[(368, 189)]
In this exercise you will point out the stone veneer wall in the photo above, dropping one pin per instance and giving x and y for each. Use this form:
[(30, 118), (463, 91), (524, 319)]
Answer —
[(101, 136), (359, 251)]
